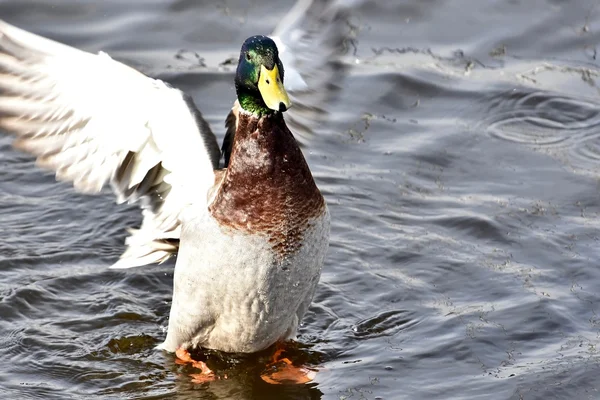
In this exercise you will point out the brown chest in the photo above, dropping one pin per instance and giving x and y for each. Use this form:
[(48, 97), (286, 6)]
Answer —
[(268, 187)]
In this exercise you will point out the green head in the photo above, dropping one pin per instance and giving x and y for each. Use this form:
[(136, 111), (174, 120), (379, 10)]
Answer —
[(259, 77)]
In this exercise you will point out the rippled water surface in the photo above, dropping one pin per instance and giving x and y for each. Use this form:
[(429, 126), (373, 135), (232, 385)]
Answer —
[(461, 168)]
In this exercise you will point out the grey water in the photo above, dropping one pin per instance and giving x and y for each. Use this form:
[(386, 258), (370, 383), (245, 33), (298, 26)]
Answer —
[(461, 166)]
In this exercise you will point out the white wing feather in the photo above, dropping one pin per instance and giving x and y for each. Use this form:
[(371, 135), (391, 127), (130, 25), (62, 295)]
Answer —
[(95, 121), (311, 38)]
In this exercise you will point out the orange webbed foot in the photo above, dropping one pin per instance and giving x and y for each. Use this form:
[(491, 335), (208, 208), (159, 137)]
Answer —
[(282, 370), (206, 374)]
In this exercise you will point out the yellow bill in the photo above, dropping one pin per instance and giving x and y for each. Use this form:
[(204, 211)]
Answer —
[(272, 90)]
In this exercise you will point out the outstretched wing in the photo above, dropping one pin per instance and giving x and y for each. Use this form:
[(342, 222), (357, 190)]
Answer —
[(95, 121), (311, 38)]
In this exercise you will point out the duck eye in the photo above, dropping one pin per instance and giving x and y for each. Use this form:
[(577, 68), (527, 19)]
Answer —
[(268, 82), (248, 56)]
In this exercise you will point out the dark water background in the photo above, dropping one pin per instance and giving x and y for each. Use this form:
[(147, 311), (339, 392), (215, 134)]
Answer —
[(461, 168)]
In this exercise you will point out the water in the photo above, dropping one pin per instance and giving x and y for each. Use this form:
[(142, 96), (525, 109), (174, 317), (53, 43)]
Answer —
[(461, 169)]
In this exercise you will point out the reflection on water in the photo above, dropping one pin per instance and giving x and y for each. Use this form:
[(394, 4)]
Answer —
[(460, 167)]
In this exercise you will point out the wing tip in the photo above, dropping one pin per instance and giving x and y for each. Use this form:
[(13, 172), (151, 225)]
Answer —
[(155, 252)]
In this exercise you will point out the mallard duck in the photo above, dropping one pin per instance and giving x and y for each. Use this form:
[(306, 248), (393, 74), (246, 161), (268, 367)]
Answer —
[(250, 238)]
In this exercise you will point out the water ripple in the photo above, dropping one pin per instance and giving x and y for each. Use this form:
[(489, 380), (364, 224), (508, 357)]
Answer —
[(387, 323), (562, 126)]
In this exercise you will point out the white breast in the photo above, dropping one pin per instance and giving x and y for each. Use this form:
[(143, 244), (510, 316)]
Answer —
[(233, 292)]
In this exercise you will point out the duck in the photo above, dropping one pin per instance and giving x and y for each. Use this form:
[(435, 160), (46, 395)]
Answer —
[(246, 221)]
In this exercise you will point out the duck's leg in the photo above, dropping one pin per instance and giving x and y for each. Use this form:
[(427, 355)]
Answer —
[(206, 374), (281, 370)]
